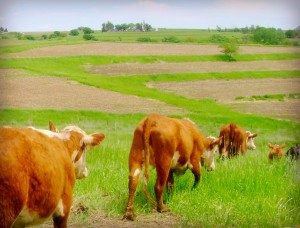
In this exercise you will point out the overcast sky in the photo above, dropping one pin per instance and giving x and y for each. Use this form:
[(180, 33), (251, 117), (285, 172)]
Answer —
[(50, 15)]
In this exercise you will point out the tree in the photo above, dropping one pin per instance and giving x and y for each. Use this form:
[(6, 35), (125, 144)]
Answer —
[(290, 33), (108, 27), (268, 35), (87, 30), (74, 32), (147, 27), (229, 48)]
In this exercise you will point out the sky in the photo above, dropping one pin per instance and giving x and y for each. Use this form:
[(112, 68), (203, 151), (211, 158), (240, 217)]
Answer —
[(64, 15)]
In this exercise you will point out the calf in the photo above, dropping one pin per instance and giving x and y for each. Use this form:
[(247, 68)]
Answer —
[(235, 140), (294, 152), (171, 146), (275, 151), (37, 173)]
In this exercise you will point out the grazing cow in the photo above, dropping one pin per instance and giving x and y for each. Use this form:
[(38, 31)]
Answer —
[(171, 146), (294, 152), (275, 152), (37, 173), (235, 140)]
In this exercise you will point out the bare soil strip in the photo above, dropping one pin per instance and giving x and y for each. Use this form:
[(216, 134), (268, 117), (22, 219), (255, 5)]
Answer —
[(61, 94), (138, 49), (192, 67), (225, 91)]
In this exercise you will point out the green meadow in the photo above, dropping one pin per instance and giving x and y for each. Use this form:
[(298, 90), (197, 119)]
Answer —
[(247, 191)]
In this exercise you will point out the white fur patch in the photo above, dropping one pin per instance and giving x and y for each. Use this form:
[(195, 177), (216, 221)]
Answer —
[(175, 160), (178, 168), (51, 134), (59, 209), (136, 172)]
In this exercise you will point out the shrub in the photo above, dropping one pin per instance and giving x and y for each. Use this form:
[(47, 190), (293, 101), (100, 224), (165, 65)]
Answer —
[(74, 32), (218, 39), (171, 39), (229, 49), (29, 37), (145, 39), (268, 36), (290, 34), (89, 37), (87, 30), (45, 37)]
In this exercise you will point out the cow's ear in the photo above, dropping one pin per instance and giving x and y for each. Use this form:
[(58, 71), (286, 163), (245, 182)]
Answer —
[(252, 135), (282, 146), (270, 145), (97, 138), (216, 141), (52, 127), (93, 140)]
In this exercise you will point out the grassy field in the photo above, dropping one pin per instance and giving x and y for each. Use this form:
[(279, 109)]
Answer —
[(248, 191)]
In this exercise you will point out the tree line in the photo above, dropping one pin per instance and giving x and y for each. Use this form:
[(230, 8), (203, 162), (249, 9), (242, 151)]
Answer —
[(131, 27)]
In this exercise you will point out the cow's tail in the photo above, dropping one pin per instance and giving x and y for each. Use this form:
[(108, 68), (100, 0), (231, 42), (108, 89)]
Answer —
[(147, 130)]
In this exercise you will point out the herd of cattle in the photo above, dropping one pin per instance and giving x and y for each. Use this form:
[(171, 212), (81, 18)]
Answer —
[(38, 167)]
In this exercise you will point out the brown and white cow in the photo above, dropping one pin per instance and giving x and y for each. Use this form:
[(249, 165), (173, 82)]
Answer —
[(171, 146), (37, 173), (235, 140), (275, 152)]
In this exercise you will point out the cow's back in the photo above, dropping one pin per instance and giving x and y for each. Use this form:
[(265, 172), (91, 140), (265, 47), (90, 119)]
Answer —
[(34, 169)]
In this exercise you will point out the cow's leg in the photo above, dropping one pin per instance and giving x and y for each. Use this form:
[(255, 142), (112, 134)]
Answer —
[(162, 171), (170, 182), (132, 184), (195, 168), (60, 219)]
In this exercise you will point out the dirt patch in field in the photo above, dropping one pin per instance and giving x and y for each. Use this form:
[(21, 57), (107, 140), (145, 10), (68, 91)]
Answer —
[(192, 67), (99, 219), (61, 94), (13, 73), (143, 221), (127, 49), (225, 91)]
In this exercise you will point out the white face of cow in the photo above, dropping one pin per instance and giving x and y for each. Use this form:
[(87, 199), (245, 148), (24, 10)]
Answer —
[(250, 140), (210, 153), (85, 144)]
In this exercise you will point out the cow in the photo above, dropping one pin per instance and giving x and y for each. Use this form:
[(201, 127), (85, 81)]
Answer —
[(235, 140), (38, 169), (275, 152), (294, 152), (171, 146)]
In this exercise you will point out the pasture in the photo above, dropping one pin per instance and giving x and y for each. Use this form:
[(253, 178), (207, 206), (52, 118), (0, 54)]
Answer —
[(67, 84)]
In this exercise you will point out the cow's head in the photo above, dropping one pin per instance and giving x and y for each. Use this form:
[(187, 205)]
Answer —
[(211, 148), (80, 143), (275, 151), (250, 140)]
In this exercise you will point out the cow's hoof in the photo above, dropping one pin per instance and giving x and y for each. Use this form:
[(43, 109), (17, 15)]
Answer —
[(129, 216), (164, 209)]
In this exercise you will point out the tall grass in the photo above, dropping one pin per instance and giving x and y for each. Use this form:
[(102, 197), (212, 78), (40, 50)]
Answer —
[(245, 191)]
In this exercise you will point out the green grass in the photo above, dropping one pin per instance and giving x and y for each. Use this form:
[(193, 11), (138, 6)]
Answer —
[(182, 35), (243, 192), (279, 97), (246, 191)]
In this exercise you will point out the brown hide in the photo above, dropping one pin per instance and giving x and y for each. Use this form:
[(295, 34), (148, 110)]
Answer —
[(276, 152), (234, 140), (36, 175), (157, 141)]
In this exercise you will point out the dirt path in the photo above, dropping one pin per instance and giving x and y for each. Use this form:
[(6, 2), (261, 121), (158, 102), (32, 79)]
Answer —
[(127, 49), (61, 94), (192, 67)]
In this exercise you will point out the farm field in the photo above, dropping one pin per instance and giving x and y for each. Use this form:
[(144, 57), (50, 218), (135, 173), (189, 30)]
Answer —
[(110, 87)]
